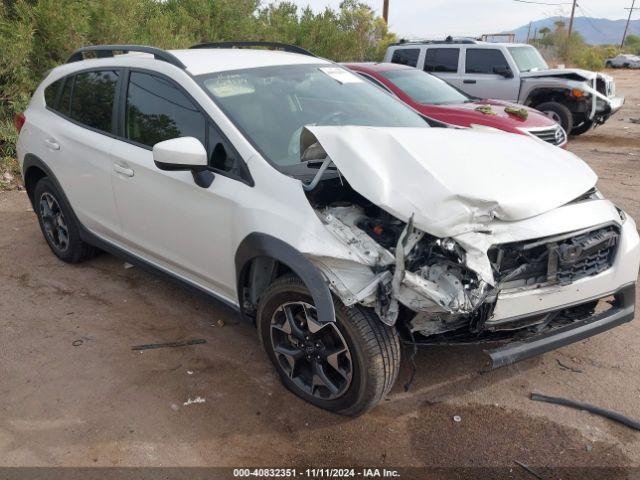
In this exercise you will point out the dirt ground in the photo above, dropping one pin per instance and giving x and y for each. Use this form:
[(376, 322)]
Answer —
[(74, 393)]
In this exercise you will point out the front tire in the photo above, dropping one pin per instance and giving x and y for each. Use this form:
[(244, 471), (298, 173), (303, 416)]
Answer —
[(558, 112), (345, 367), (584, 127), (58, 224)]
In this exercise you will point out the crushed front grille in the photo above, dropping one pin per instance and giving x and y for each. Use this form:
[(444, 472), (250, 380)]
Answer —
[(555, 260)]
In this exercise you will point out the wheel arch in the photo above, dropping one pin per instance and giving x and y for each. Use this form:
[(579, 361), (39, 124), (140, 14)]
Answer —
[(34, 169), (280, 258), (546, 94)]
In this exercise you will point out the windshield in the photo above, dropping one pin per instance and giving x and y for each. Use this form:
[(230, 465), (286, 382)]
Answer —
[(271, 105), (528, 59), (424, 88)]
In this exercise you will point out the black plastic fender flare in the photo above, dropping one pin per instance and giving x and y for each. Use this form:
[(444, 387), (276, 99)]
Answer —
[(257, 245), (31, 160)]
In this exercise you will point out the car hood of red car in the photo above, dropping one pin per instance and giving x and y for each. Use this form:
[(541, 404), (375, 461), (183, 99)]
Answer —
[(466, 114)]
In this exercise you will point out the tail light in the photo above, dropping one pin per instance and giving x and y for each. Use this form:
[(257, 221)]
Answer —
[(19, 120)]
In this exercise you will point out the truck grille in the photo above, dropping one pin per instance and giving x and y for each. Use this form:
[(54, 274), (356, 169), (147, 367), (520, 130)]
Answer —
[(605, 86), (555, 260), (554, 135)]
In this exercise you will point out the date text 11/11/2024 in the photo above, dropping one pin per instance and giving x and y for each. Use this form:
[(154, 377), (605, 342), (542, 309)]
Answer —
[(316, 473)]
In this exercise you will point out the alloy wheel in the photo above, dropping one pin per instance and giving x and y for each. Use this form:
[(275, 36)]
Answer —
[(53, 221), (313, 355), (553, 116)]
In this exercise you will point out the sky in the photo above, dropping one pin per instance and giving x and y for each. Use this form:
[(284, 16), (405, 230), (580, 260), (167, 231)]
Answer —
[(437, 18)]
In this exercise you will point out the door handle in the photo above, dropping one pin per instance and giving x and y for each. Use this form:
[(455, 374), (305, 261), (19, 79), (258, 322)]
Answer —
[(468, 81), (127, 172), (52, 144)]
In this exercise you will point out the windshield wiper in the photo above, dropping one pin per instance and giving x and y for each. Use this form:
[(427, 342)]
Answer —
[(322, 167)]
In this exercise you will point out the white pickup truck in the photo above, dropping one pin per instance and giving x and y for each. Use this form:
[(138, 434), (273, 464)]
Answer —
[(576, 99)]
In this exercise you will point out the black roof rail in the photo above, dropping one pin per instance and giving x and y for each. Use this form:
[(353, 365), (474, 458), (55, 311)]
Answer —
[(448, 40), (273, 45), (104, 51)]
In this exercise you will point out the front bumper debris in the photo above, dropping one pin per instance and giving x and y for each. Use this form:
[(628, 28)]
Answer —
[(622, 311)]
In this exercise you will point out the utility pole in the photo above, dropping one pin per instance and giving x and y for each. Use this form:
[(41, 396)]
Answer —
[(385, 11), (528, 32), (626, 27), (573, 12)]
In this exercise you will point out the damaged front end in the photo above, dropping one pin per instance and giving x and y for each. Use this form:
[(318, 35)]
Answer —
[(488, 279)]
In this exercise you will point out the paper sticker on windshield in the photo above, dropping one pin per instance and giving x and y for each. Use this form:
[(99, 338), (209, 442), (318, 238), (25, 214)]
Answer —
[(341, 75)]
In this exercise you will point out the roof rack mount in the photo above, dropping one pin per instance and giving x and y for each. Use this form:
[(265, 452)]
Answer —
[(272, 45), (448, 40), (105, 51)]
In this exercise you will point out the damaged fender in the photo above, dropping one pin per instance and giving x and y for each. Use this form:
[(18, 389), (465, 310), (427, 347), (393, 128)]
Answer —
[(257, 245)]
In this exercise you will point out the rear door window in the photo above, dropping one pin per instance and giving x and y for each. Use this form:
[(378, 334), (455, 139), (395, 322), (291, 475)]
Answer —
[(65, 97), (485, 60), (406, 56), (442, 60), (157, 110), (92, 99)]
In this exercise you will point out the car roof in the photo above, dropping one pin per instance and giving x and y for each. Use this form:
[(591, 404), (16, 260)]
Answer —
[(377, 67), (210, 60), (199, 61)]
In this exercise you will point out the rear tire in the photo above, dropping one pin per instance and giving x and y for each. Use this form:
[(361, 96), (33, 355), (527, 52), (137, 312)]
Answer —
[(608, 65), (367, 369), (58, 224), (558, 112)]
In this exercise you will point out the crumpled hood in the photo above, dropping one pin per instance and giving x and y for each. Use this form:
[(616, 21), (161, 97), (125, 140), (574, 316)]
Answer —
[(572, 73), (453, 181)]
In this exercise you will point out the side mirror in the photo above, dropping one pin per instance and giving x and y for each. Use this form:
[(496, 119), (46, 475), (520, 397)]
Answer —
[(504, 71), (184, 153)]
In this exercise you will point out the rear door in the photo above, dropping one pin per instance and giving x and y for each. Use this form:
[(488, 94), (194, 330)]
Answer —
[(166, 218), (444, 62), (77, 139), (483, 76)]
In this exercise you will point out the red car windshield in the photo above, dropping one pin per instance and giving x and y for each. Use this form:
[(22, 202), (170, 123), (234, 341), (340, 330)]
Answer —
[(424, 88)]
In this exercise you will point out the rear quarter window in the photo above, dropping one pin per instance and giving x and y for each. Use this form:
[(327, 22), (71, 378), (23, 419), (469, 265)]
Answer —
[(51, 93), (406, 56)]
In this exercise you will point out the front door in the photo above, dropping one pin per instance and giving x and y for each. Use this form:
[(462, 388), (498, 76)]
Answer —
[(485, 75), (166, 218)]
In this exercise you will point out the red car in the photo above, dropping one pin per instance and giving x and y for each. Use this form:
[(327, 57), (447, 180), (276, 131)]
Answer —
[(440, 103)]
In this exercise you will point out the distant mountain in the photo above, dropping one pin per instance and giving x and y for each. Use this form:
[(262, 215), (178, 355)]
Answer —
[(593, 30)]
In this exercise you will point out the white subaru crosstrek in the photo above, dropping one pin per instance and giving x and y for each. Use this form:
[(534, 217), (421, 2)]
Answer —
[(324, 210)]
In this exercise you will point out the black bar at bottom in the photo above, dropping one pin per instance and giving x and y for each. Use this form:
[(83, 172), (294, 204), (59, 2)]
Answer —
[(623, 312)]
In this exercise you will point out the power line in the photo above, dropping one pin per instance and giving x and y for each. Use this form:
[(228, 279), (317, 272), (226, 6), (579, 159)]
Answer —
[(586, 16)]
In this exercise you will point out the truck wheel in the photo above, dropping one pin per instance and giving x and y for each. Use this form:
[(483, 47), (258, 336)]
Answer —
[(583, 127), (558, 112), (58, 224), (346, 367)]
